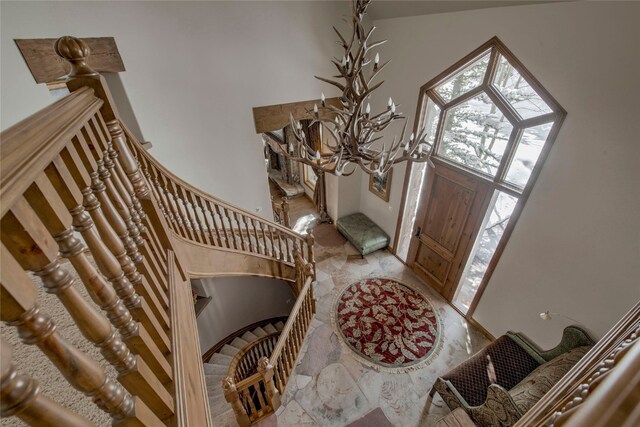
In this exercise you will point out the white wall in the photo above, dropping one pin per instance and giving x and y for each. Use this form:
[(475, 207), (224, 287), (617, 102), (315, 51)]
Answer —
[(194, 71), (576, 247), (238, 302)]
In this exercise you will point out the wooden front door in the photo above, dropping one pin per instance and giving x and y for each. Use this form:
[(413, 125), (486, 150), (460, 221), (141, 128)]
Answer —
[(447, 223)]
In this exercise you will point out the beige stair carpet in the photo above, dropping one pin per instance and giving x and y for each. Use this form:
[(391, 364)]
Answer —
[(217, 369)]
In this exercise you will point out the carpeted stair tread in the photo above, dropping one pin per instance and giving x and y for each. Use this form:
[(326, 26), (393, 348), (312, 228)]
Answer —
[(248, 336), (279, 326), (226, 419), (216, 393), (269, 328), (214, 382), (229, 350), (214, 368), (259, 332), (221, 359), (239, 343), (218, 405)]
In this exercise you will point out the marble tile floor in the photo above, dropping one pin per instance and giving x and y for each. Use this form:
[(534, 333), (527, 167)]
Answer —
[(329, 387)]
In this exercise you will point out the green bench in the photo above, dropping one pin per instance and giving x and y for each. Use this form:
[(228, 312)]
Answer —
[(363, 233)]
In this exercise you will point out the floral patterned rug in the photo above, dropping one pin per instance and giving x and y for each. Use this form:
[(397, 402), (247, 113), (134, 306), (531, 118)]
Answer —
[(387, 324)]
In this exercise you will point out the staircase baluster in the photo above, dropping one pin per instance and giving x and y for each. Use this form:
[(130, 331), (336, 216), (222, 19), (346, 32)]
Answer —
[(265, 248), (211, 224), (267, 372), (232, 396), (235, 235), (255, 235), (192, 226), (20, 309), (202, 227), (182, 209), (65, 186), (92, 203), (240, 233), (43, 197), (222, 225), (173, 205), (20, 396), (274, 254)]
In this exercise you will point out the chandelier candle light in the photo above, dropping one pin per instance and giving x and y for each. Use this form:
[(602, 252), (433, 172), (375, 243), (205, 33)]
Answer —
[(354, 130)]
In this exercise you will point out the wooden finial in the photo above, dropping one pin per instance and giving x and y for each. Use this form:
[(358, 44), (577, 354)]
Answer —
[(75, 51)]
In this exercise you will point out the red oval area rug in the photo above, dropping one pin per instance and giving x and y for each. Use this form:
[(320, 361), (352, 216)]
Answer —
[(387, 324)]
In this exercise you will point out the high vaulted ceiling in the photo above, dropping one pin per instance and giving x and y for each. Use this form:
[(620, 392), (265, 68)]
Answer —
[(384, 9)]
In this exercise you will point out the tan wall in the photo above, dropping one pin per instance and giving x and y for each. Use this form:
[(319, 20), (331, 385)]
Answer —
[(576, 248)]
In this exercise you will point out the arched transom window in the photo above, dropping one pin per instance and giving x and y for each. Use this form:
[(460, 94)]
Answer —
[(489, 115)]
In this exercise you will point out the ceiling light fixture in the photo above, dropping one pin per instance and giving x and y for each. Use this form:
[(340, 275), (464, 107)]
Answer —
[(355, 131)]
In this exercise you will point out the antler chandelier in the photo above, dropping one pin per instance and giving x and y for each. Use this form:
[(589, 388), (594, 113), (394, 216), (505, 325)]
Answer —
[(354, 129)]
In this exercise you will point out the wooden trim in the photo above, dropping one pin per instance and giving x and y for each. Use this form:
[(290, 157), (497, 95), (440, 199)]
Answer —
[(30, 145), (517, 211), (558, 116), (564, 390), (226, 340), (387, 189), (191, 405), (270, 118), (46, 66)]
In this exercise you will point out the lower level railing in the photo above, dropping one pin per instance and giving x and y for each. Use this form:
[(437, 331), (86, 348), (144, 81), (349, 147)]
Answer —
[(256, 396), (281, 212)]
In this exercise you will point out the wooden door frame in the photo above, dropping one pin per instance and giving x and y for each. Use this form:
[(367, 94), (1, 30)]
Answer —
[(469, 231), (559, 114)]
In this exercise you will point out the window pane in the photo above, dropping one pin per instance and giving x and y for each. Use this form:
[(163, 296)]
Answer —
[(431, 120), (475, 134), (517, 91), (493, 226), (464, 80), (527, 154)]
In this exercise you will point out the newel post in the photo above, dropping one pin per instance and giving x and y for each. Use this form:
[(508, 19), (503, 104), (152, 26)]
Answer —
[(266, 370), (312, 258), (75, 51), (232, 396), (286, 218)]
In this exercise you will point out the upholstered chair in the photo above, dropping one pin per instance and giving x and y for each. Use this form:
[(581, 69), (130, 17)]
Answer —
[(497, 385)]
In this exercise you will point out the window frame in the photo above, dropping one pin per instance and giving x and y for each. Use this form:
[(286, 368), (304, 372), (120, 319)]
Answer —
[(557, 116)]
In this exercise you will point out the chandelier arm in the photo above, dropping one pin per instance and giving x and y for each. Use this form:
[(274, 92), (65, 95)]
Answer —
[(342, 40), (377, 70), (374, 87), (331, 82)]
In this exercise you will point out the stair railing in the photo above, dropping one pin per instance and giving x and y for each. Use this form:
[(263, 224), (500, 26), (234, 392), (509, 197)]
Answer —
[(602, 389), (245, 362), (76, 211), (281, 212), (258, 395), (199, 217)]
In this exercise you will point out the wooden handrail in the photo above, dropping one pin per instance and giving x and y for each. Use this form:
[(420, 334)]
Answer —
[(28, 146), (286, 331), (67, 171), (236, 369), (574, 386), (140, 151), (74, 169)]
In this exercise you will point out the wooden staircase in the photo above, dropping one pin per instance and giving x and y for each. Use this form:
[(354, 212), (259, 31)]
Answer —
[(219, 366), (76, 187)]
